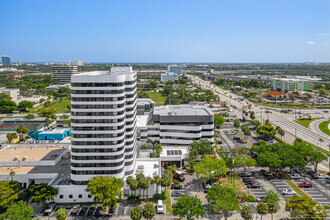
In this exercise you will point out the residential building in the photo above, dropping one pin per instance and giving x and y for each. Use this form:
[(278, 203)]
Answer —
[(103, 121), (63, 73), (14, 75), (6, 60), (290, 84), (78, 63), (177, 125), (169, 77), (175, 69)]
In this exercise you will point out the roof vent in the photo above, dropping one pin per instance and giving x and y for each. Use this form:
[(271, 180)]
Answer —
[(24, 158)]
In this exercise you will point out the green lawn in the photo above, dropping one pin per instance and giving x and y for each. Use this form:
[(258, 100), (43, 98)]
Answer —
[(59, 106), (324, 127), (167, 201), (157, 97), (306, 123)]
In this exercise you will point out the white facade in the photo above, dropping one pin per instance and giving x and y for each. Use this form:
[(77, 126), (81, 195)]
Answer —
[(174, 69), (103, 124), (13, 93), (179, 125), (169, 77), (78, 63)]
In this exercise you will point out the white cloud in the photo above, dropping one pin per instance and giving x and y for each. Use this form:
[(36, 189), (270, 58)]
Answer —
[(323, 34), (311, 42), (325, 43)]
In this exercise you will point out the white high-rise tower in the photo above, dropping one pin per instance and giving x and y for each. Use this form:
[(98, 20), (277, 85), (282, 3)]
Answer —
[(103, 110)]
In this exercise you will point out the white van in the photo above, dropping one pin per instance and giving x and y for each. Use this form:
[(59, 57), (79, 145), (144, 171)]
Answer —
[(160, 207)]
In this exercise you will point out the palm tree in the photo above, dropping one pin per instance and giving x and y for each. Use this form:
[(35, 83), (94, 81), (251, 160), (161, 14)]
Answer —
[(12, 174), (158, 181)]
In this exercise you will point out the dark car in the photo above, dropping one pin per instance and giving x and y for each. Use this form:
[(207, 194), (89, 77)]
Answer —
[(111, 210), (267, 111), (91, 211), (305, 185), (248, 181), (253, 185), (176, 186), (177, 193), (245, 174), (83, 211), (267, 138), (179, 177)]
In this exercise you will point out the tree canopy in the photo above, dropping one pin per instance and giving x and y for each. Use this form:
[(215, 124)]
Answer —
[(107, 190), (188, 206), (202, 146), (42, 192), (9, 192), (18, 211), (210, 168)]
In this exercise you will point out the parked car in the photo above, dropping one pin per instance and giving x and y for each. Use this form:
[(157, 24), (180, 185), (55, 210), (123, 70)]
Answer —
[(288, 192), (176, 186), (160, 207), (261, 199), (177, 193), (179, 177), (327, 181), (248, 180), (50, 208), (75, 209), (245, 174), (267, 111), (253, 185), (320, 176), (305, 185), (295, 176), (267, 138)]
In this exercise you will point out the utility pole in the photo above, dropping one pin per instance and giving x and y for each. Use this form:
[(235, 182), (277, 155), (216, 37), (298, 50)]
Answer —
[(261, 118), (295, 131)]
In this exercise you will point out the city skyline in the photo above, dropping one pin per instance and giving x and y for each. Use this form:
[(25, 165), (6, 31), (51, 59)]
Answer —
[(166, 31)]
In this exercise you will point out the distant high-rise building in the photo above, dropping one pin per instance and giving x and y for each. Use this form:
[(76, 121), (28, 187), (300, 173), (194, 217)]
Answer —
[(6, 60), (78, 63), (103, 124), (19, 62), (63, 73), (174, 69)]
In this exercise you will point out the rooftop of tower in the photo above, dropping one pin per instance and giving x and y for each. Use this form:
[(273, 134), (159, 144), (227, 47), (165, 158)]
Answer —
[(113, 71)]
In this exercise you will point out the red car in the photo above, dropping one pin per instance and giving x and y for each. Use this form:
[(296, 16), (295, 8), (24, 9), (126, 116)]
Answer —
[(305, 185)]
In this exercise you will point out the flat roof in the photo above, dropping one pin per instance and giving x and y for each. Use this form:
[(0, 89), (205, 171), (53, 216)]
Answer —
[(141, 120), (33, 153), (292, 79), (149, 167), (55, 131), (113, 71), (174, 151), (183, 110)]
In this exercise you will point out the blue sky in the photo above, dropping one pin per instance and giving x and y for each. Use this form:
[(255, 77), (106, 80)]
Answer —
[(166, 30)]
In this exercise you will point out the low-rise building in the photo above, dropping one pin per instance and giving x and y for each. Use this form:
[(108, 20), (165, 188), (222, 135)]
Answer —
[(13, 93), (169, 76), (56, 134), (290, 84)]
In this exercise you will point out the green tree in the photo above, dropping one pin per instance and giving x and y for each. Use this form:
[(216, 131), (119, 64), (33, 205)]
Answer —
[(262, 209), (189, 207), (273, 207), (237, 123), (18, 211), (202, 146), (158, 181), (255, 123), (246, 213), (218, 121), (136, 213), (252, 115), (149, 211), (281, 132), (29, 116), (42, 192), (210, 168), (9, 192), (166, 180), (46, 112), (304, 208), (222, 199), (266, 130), (7, 106), (61, 214), (316, 157), (272, 196), (11, 136), (25, 105), (106, 190)]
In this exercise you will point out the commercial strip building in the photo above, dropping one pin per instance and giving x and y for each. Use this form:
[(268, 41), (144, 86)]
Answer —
[(63, 73), (290, 84), (103, 120)]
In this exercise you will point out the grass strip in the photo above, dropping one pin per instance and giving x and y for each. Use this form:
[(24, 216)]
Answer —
[(167, 201), (324, 127), (158, 98), (306, 123), (296, 188)]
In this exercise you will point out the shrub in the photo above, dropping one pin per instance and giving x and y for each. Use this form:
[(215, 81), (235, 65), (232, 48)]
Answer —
[(176, 181), (241, 196), (251, 199), (161, 196), (133, 197)]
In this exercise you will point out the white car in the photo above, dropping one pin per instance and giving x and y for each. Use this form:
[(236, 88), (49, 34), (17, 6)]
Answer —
[(288, 192), (295, 176), (321, 176)]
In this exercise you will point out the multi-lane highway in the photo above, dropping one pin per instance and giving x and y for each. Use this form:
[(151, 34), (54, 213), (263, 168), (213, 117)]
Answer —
[(285, 121)]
